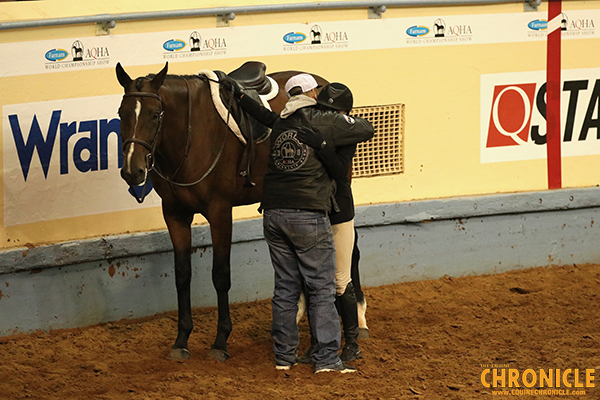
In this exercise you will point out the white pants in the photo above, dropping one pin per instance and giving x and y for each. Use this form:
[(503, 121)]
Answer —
[(343, 236)]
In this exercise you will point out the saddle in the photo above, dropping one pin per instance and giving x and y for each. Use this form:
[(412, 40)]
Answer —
[(251, 76)]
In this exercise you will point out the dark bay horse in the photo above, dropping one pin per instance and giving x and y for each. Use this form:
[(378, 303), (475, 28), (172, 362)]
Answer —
[(172, 135)]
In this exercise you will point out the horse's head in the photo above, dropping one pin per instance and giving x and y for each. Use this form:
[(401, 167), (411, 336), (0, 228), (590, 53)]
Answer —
[(141, 114)]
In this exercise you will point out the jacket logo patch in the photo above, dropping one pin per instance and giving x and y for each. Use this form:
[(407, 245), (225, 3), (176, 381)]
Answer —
[(288, 153), (349, 119)]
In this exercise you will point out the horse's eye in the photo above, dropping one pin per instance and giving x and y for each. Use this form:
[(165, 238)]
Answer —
[(156, 115)]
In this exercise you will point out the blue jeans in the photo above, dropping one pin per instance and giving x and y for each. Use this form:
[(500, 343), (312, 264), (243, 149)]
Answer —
[(302, 249)]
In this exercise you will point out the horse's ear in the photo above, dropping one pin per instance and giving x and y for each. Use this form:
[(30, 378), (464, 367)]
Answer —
[(158, 80), (123, 77)]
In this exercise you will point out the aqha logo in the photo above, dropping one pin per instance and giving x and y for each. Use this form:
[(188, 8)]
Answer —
[(460, 30), (582, 24), (317, 36), (335, 37), (77, 50), (215, 43), (440, 29), (195, 40), (97, 53)]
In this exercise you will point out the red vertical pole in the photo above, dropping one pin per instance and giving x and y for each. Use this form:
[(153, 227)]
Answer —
[(553, 93)]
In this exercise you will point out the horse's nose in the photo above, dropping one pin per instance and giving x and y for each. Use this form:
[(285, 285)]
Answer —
[(133, 176)]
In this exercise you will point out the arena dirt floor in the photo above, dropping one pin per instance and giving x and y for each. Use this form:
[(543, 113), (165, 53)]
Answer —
[(428, 340)]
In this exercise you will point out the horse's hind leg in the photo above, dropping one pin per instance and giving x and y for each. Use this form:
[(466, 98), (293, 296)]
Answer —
[(361, 301), (220, 229), (181, 236)]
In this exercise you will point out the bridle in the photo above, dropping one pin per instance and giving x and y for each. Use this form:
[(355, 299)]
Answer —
[(151, 147), (150, 160)]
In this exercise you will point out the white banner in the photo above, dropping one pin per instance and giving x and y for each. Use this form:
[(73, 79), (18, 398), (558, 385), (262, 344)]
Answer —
[(61, 160), (54, 55), (513, 112)]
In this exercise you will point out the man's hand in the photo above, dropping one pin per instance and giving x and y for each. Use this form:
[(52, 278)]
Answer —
[(228, 83), (311, 137)]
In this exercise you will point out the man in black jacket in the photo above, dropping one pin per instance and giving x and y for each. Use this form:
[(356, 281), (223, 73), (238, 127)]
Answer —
[(297, 198)]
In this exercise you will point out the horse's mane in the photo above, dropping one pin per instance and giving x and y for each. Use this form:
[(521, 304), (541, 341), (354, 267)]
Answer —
[(139, 82), (171, 76)]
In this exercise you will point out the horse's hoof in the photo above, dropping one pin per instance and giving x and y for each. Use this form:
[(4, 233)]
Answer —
[(179, 354), (219, 355), (363, 333)]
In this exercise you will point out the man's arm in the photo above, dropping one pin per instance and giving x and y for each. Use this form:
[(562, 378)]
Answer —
[(251, 106), (347, 130), (258, 111), (336, 164)]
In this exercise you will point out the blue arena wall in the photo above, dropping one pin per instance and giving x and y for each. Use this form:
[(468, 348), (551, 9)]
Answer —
[(82, 283)]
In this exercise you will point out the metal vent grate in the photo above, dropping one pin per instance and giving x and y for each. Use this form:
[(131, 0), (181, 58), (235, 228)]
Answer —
[(384, 154)]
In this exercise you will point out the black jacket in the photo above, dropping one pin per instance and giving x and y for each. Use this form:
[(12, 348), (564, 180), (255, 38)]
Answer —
[(297, 178), (343, 195)]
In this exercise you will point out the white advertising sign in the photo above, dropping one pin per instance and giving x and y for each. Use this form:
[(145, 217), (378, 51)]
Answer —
[(54, 55), (62, 159), (513, 115)]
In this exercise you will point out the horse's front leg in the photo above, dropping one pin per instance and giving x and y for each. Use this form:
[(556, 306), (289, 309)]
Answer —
[(179, 225), (220, 229)]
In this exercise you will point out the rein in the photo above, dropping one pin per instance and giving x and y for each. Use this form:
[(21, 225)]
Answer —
[(150, 159)]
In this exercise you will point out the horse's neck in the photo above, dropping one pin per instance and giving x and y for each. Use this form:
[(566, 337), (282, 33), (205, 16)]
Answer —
[(184, 125), (176, 108)]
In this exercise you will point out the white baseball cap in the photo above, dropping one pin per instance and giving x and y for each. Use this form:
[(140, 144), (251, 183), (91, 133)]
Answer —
[(305, 81)]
